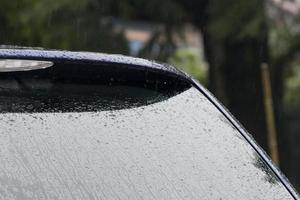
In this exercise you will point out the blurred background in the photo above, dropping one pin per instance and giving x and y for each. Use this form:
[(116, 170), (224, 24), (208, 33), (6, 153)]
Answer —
[(221, 43)]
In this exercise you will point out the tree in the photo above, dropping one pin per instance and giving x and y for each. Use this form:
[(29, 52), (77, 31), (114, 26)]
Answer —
[(236, 43), (67, 24)]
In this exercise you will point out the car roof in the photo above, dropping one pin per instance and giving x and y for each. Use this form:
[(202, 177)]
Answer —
[(92, 58)]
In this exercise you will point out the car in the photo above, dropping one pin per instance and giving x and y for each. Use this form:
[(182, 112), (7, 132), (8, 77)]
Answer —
[(80, 125)]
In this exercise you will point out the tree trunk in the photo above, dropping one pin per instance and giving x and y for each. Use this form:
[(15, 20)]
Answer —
[(283, 139), (235, 76)]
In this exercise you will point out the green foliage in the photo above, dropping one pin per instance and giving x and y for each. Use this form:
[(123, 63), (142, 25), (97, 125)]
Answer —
[(236, 18), (279, 42), (292, 87), (284, 44), (61, 24), (190, 61), (168, 12), (83, 24)]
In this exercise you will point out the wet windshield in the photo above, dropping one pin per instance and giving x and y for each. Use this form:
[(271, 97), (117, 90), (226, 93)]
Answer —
[(169, 146)]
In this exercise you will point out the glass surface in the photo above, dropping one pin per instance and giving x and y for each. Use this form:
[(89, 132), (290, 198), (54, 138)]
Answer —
[(178, 148)]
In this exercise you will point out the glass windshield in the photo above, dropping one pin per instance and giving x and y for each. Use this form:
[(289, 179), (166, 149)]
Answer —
[(177, 147)]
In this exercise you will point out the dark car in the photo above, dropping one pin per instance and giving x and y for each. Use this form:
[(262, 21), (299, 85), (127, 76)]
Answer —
[(77, 125)]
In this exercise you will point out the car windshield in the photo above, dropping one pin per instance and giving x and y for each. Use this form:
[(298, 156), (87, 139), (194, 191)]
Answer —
[(65, 138)]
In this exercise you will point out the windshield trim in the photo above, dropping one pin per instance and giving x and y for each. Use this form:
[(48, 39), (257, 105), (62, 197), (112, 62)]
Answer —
[(246, 135)]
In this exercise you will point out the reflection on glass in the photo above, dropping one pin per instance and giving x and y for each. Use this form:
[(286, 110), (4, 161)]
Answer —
[(13, 65), (77, 98)]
